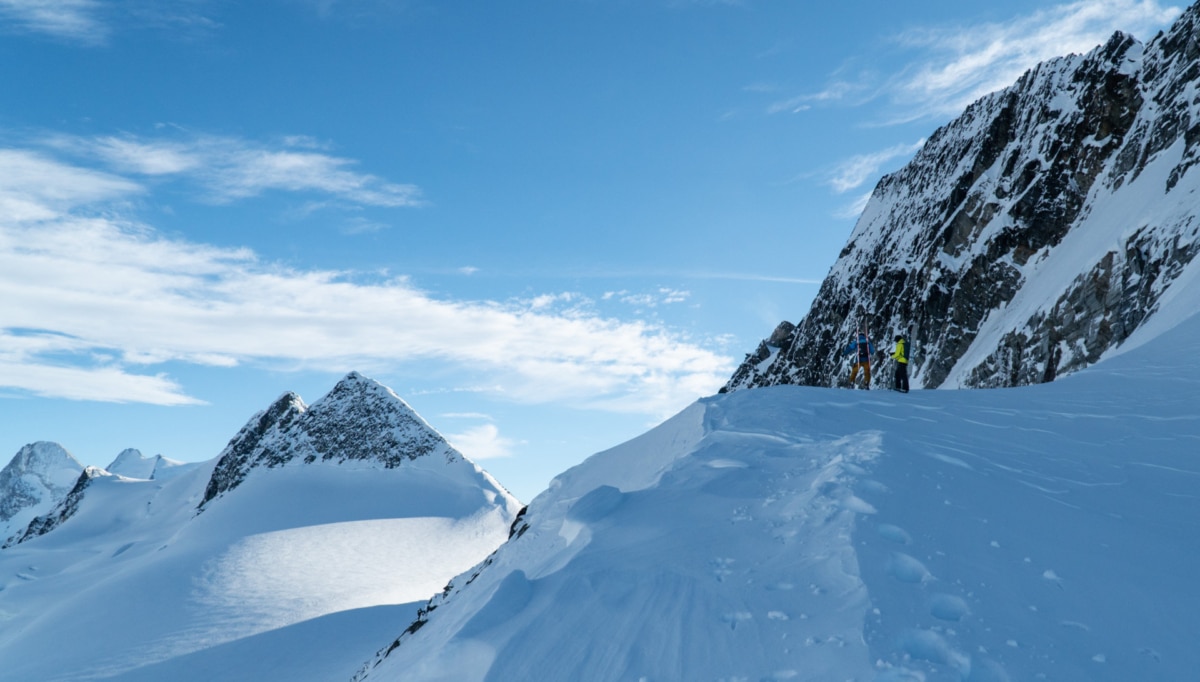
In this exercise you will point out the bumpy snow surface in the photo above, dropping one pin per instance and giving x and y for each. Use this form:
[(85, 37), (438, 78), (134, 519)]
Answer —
[(793, 533)]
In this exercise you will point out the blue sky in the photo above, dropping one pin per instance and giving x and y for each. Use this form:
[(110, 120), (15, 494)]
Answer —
[(546, 224)]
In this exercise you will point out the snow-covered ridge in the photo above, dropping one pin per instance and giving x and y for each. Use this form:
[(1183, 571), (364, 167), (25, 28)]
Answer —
[(1029, 237), (131, 463)]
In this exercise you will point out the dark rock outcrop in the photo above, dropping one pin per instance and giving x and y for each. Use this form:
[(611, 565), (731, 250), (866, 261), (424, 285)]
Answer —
[(359, 420)]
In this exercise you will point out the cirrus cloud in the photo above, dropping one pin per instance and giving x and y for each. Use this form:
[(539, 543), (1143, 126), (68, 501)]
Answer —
[(227, 169)]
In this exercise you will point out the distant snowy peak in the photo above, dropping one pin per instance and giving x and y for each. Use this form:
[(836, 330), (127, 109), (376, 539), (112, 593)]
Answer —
[(38, 476), (132, 463), (360, 420), (1027, 238), (64, 509)]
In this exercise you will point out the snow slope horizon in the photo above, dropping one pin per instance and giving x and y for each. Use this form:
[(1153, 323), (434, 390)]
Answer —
[(791, 532), (318, 558)]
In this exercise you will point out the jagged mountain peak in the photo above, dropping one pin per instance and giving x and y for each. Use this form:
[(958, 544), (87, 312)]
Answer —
[(39, 475), (359, 420), (63, 507), (1029, 237)]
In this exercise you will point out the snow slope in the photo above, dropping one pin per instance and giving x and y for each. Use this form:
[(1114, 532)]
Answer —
[(796, 533), (295, 573)]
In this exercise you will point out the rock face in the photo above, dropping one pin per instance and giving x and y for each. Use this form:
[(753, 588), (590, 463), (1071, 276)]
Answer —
[(359, 420), (63, 510), (1029, 236), (38, 477)]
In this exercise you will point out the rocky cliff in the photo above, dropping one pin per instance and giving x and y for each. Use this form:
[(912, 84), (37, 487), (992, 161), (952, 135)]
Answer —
[(1028, 237), (359, 420)]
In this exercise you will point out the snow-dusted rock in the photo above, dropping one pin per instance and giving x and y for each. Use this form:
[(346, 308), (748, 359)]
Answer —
[(1028, 237), (359, 421), (38, 477)]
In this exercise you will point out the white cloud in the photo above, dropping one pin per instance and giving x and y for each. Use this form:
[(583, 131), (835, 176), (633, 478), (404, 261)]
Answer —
[(965, 63), (853, 172), (228, 169), (34, 186), (112, 299), (946, 68), (482, 442), (74, 20)]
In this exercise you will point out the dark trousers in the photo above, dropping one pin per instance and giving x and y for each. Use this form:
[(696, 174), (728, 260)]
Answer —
[(902, 376)]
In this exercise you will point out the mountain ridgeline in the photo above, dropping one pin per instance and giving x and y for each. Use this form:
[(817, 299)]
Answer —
[(1029, 236)]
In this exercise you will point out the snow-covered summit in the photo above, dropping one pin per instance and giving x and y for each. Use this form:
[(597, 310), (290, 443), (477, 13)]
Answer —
[(1027, 238), (131, 463), (36, 478), (360, 421)]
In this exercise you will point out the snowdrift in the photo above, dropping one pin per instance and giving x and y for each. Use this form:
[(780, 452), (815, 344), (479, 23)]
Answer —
[(1043, 532)]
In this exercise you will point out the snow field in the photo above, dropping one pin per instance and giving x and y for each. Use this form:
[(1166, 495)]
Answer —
[(822, 534)]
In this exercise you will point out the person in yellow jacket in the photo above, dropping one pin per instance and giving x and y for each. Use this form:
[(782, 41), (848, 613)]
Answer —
[(900, 355)]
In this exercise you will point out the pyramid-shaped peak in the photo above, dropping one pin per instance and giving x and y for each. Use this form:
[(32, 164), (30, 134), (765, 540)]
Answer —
[(356, 391), (44, 456), (359, 420), (38, 475)]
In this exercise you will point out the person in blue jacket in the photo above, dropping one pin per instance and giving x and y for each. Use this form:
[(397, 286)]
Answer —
[(862, 349)]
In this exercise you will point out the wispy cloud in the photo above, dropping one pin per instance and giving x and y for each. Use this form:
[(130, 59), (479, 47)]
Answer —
[(93, 304), (227, 169), (92, 23), (963, 63), (853, 172), (73, 20), (945, 68), (36, 187), (649, 299)]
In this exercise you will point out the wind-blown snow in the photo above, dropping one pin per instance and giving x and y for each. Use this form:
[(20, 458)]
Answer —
[(1044, 532)]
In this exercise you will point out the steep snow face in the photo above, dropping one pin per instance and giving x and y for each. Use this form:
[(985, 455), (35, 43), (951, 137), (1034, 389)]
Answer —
[(1029, 236), (39, 475), (297, 571), (798, 533)]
